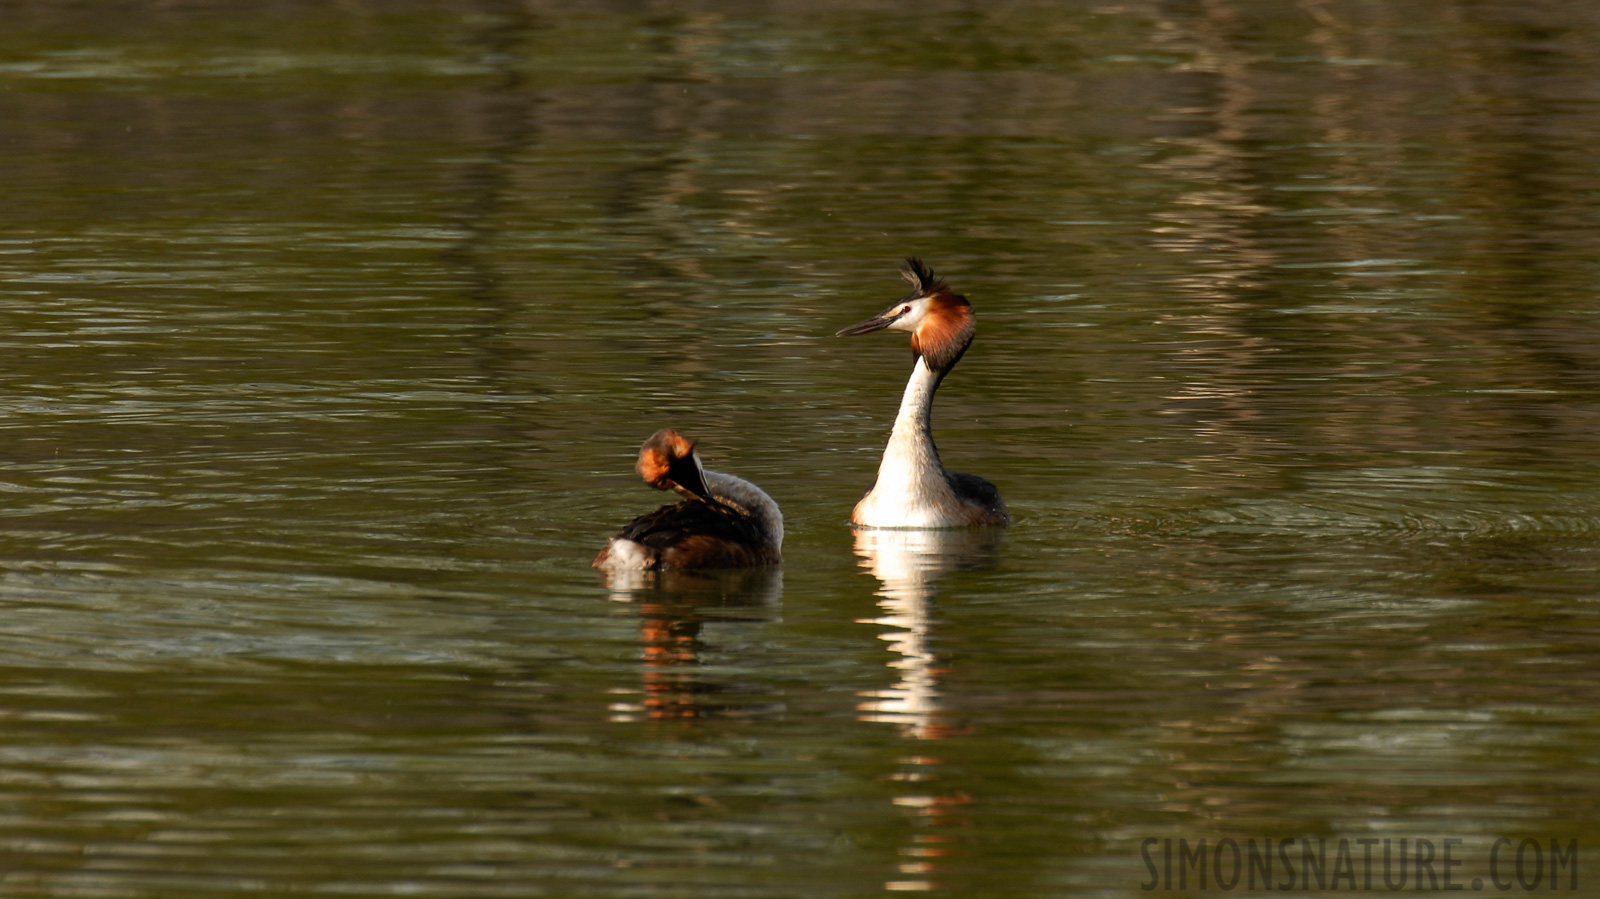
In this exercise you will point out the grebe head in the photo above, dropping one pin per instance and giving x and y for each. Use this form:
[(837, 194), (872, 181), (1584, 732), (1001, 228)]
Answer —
[(940, 321), (667, 461)]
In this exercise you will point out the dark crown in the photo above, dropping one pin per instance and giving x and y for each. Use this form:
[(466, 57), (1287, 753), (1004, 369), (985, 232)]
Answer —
[(922, 278)]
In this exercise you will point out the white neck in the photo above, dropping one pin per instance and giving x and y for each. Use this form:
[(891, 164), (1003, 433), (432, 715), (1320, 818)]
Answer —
[(912, 490), (913, 426), (738, 492)]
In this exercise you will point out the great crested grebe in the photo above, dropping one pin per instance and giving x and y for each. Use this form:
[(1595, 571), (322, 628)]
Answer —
[(913, 490), (723, 522)]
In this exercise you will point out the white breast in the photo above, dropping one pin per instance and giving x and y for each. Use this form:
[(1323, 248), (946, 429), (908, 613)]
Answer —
[(911, 490)]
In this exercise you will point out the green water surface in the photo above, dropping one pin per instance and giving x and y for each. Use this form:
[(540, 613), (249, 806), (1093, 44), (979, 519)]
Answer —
[(328, 333)]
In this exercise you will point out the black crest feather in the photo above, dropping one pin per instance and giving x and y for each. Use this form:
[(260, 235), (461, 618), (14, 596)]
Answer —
[(922, 278)]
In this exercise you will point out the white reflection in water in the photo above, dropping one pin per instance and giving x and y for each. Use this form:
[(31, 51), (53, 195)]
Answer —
[(908, 565), (674, 607)]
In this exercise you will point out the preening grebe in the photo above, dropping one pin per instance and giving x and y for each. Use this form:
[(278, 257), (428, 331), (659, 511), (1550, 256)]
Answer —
[(913, 490), (723, 522)]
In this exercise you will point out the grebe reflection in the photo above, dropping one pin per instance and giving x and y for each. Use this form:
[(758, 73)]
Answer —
[(908, 565), (677, 682)]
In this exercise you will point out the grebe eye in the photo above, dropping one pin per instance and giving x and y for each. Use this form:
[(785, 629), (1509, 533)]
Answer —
[(904, 310)]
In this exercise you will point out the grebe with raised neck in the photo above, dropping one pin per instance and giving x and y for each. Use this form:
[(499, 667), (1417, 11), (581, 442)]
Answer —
[(723, 521), (913, 490)]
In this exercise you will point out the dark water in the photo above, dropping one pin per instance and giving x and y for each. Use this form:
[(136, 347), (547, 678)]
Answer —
[(329, 332)]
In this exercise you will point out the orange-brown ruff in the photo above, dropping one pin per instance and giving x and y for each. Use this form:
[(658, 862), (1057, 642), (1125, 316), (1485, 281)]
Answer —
[(913, 490), (723, 522)]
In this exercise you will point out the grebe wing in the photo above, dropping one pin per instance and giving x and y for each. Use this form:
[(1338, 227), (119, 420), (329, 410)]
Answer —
[(976, 491), (694, 534)]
